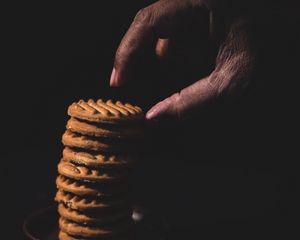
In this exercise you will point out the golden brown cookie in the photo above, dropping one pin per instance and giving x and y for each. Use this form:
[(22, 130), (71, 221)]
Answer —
[(76, 187), (104, 130), (79, 188), (90, 188), (64, 236), (98, 159), (73, 228), (91, 218), (83, 203), (83, 173), (72, 139), (105, 112)]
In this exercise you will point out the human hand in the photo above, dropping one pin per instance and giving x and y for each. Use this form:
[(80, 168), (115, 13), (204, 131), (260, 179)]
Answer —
[(233, 63)]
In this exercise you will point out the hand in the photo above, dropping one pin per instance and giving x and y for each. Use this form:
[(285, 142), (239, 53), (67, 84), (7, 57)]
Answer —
[(233, 63)]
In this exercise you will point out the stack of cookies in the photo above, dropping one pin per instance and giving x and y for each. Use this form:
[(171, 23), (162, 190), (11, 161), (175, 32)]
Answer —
[(101, 144)]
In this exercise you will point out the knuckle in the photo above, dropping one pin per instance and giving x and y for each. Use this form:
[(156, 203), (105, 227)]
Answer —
[(175, 102), (143, 15), (175, 98)]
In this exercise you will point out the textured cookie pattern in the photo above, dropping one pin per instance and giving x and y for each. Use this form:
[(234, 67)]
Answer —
[(78, 188), (91, 231), (71, 170), (90, 218), (75, 187), (107, 112), (81, 203), (82, 188), (104, 130), (64, 236), (72, 139), (99, 159)]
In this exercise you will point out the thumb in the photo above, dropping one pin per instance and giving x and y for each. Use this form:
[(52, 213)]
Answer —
[(181, 104)]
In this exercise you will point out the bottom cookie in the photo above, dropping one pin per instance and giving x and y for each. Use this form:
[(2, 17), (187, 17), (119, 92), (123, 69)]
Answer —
[(64, 236), (75, 229)]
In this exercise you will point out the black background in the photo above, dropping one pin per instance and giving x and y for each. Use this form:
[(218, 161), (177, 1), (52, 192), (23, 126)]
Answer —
[(231, 170)]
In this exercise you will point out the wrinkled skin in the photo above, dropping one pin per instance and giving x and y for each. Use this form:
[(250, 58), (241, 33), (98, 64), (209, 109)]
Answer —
[(156, 24)]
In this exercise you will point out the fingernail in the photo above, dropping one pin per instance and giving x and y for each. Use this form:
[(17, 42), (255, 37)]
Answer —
[(112, 81)]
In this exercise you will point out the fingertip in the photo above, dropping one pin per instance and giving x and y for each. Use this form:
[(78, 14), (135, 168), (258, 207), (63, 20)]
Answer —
[(115, 80), (150, 114), (163, 111), (112, 81), (154, 112)]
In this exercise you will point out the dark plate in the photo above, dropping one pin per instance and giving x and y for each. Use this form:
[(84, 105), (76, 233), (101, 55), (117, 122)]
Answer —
[(42, 225)]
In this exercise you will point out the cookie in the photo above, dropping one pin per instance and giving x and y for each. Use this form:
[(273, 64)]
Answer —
[(76, 187), (72, 139), (106, 112), (104, 130), (75, 229), (82, 188), (87, 204), (64, 236), (91, 218), (90, 188), (83, 173), (98, 159)]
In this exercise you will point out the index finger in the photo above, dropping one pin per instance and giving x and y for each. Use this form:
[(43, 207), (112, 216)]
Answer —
[(160, 19), (139, 36)]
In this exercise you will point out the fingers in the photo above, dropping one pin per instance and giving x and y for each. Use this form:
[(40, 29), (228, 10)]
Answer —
[(180, 105), (232, 74), (139, 36), (158, 20)]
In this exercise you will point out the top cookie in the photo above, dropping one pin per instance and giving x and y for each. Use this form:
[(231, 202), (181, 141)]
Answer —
[(105, 112)]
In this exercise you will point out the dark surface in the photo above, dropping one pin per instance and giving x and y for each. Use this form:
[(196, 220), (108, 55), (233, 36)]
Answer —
[(230, 171)]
